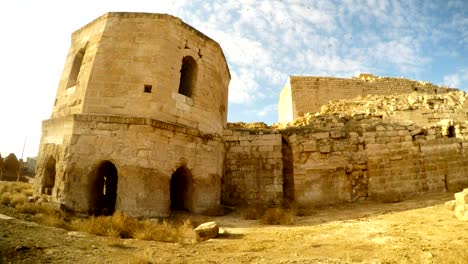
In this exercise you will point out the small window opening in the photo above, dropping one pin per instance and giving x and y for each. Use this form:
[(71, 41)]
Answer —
[(188, 75), (451, 131), (75, 69), (148, 88)]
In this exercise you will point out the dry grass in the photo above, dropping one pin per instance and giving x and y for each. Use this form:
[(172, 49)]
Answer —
[(119, 225), (55, 220), (123, 226), (15, 193), (18, 199), (253, 212), (5, 198), (278, 216), (166, 232), (35, 208)]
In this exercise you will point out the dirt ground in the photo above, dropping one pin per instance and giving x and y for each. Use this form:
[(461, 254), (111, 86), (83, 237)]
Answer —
[(418, 230)]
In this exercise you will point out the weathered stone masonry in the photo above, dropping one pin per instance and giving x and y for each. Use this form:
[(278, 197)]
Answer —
[(138, 119), (139, 125)]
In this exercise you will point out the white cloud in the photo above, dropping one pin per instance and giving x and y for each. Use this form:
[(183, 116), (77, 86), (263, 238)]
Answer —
[(452, 80), (457, 79), (243, 88), (266, 110)]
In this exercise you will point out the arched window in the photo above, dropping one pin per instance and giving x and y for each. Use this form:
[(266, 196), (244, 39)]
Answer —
[(75, 69), (188, 76)]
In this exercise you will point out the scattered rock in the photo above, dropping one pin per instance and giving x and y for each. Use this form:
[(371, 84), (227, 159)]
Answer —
[(207, 230), (5, 217), (450, 205), (461, 206), (77, 234), (21, 248)]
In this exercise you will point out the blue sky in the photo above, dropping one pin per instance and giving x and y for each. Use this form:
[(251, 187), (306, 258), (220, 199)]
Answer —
[(264, 42)]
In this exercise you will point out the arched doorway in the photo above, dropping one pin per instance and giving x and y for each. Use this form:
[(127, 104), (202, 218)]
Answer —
[(181, 189), (288, 171), (104, 189), (48, 181)]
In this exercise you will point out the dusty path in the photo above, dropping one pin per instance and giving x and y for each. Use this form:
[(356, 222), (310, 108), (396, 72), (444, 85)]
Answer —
[(420, 230)]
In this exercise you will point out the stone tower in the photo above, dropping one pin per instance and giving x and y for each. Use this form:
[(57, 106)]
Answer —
[(138, 119)]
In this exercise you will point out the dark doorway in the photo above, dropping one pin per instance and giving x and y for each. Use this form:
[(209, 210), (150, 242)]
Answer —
[(49, 176), (181, 189), (451, 131), (105, 189), (288, 171), (188, 74)]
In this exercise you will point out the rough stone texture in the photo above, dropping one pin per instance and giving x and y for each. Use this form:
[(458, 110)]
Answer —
[(139, 125), (461, 206), (365, 156), (307, 94), (207, 230), (120, 117), (253, 170)]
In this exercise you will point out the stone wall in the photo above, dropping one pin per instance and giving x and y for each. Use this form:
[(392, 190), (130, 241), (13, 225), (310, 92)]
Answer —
[(146, 153), (253, 167), (308, 93), (345, 158), (138, 120), (132, 67)]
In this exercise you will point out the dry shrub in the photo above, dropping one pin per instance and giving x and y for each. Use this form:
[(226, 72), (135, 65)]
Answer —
[(28, 192), (5, 198), (253, 212), (118, 225), (44, 214), (166, 232), (278, 216), (35, 208), (16, 187), (55, 220), (18, 199), (3, 187)]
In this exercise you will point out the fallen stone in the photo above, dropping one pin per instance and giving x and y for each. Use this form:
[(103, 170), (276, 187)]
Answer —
[(5, 217), (450, 205), (461, 206), (77, 234), (207, 230)]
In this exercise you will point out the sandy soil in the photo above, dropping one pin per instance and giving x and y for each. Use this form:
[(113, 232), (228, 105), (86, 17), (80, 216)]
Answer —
[(418, 230)]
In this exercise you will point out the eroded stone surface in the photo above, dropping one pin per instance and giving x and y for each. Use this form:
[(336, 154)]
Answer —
[(461, 205), (207, 230)]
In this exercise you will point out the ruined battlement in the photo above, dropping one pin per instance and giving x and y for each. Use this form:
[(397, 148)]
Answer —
[(306, 94)]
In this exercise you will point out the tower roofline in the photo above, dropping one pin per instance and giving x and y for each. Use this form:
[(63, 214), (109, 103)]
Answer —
[(166, 17)]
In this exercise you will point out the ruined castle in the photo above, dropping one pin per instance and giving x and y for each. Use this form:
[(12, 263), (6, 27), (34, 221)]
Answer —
[(139, 125)]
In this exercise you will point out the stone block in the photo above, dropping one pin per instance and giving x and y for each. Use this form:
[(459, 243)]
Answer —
[(310, 145)]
